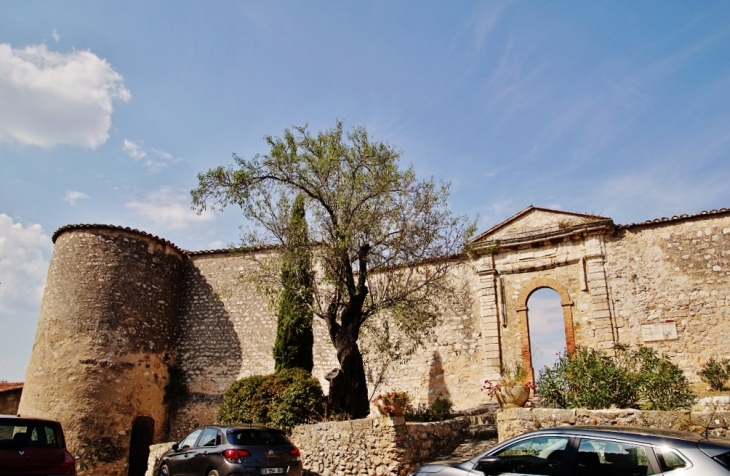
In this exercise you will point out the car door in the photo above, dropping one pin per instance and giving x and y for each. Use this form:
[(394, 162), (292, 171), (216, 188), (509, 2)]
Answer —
[(179, 461), (609, 457), (545, 455), (201, 453)]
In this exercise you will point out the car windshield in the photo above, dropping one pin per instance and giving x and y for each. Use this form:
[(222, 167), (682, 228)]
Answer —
[(16, 432), (256, 436)]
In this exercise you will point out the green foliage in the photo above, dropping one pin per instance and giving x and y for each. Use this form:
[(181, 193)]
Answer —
[(294, 336), (439, 410), (591, 379), (715, 373), (663, 385), (283, 400), (371, 221)]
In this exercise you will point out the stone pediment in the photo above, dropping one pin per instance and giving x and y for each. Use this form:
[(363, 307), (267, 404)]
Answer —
[(535, 223)]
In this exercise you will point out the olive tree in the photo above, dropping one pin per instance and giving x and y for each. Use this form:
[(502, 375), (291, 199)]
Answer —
[(384, 242)]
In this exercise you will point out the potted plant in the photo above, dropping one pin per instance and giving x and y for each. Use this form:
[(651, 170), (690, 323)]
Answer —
[(512, 391), (392, 403)]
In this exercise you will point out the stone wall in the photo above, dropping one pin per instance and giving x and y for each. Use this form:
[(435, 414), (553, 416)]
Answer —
[(9, 400), (226, 331), (515, 421), (674, 271), (374, 446)]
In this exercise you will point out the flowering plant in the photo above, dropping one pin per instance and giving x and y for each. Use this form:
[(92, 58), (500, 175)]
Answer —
[(391, 403), (511, 377)]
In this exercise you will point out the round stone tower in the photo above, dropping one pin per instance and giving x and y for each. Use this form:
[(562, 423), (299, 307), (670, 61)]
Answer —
[(104, 343)]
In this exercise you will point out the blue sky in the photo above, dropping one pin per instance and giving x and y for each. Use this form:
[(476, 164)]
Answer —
[(108, 110)]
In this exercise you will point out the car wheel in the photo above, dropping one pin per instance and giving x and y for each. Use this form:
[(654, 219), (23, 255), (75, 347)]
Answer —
[(213, 473), (164, 470)]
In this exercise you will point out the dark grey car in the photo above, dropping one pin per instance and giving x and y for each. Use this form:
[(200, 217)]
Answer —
[(595, 451), (232, 451)]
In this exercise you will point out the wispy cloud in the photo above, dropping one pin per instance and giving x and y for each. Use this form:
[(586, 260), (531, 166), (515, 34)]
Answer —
[(72, 196), (158, 160), (52, 98), (56, 36), (134, 149), (168, 209)]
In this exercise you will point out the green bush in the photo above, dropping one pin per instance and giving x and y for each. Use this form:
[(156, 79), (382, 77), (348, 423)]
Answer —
[(630, 379), (284, 400), (715, 373), (663, 385), (439, 410)]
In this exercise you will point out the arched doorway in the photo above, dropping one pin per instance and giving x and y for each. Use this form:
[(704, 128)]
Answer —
[(523, 320), (546, 327), (143, 430)]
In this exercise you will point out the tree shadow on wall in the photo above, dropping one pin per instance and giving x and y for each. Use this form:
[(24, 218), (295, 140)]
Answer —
[(209, 353), (436, 382)]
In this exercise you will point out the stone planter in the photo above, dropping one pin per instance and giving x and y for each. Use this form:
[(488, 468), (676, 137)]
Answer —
[(512, 397)]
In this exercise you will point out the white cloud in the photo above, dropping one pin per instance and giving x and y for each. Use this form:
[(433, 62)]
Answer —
[(56, 36), (73, 195), (23, 269), (134, 149), (52, 98), (168, 209), (162, 158)]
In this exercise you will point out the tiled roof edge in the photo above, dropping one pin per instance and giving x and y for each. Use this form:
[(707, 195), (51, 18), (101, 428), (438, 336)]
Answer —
[(233, 250), (676, 218), (66, 228)]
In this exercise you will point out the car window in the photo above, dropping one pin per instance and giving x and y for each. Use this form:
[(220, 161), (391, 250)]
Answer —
[(17, 432), (208, 438), (540, 455), (189, 440), (669, 459), (609, 458), (256, 436)]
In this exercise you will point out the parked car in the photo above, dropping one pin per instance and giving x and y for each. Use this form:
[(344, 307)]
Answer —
[(33, 446), (594, 451), (232, 450)]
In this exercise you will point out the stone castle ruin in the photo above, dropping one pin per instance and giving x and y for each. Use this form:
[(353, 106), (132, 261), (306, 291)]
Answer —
[(138, 339)]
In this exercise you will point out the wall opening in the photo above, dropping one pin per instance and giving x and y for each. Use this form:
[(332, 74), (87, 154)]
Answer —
[(546, 327), (143, 431)]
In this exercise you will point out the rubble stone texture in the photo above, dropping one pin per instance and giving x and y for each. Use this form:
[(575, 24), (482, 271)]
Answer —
[(121, 308)]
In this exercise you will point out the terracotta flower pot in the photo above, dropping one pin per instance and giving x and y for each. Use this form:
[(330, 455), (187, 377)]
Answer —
[(394, 408), (512, 397)]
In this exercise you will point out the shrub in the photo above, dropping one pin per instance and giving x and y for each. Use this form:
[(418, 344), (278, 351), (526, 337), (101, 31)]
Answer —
[(284, 399), (662, 384), (591, 379), (439, 410), (715, 373)]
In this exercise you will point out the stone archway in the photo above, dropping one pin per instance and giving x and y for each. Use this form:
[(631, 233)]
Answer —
[(521, 307)]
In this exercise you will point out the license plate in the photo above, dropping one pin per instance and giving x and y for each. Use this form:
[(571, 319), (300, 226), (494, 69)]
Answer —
[(272, 470)]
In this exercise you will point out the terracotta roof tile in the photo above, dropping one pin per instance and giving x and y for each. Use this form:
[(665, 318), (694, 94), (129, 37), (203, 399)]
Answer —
[(6, 386)]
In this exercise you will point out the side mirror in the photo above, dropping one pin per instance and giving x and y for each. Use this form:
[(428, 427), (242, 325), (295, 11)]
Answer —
[(175, 447), (490, 465)]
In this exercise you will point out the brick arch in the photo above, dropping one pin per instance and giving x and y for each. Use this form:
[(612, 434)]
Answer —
[(522, 320)]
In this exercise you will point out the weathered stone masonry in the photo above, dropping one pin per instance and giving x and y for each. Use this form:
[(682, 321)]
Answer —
[(121, 308)]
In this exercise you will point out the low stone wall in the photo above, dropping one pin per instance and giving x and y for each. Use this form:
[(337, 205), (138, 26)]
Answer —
[(370, 446), (515, 421), (374, 446), (156, 452)]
